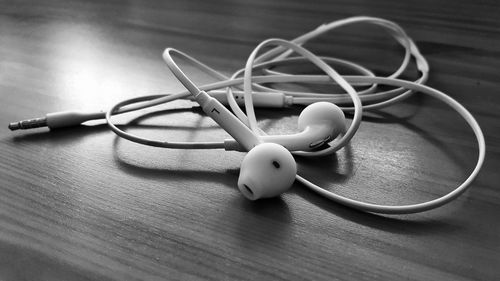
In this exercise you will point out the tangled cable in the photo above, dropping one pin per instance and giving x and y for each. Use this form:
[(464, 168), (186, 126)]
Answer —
[(254, 89)]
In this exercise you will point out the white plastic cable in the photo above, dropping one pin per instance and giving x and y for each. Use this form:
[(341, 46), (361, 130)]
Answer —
[(268, 63)]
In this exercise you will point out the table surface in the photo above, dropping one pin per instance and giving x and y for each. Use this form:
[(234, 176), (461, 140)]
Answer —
[(82, 204)]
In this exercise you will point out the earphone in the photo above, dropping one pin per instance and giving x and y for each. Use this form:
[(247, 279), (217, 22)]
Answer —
[(269, 168), (267, 171)]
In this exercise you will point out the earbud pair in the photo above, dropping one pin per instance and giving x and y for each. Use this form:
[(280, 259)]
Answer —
[(269, 168)]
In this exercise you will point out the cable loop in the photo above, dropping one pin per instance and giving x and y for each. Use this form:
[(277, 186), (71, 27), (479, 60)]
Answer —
[(351, 100)]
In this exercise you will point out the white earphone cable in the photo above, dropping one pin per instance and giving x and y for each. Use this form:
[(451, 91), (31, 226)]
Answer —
[(279, 56)]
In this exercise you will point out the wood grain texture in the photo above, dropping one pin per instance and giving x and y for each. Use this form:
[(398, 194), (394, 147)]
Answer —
[(81, 204)]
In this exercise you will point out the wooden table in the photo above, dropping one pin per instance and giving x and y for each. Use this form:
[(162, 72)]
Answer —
[(80, 203)]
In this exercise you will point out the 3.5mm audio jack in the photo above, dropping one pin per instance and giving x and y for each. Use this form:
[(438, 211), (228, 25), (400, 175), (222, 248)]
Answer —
[(28, 124), (57, 120)]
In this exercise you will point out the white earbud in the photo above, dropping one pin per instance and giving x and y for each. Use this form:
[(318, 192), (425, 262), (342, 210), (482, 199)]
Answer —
[(266, 171), (319, 123)]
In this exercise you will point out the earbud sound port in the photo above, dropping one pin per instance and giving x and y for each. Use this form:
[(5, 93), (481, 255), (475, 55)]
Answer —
[(248, 189)]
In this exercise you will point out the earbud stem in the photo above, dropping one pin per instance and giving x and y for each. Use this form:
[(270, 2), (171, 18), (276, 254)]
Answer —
[(304, 141), (222, 116)]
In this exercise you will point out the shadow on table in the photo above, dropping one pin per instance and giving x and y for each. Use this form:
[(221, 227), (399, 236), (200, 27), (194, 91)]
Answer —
[(276, 209)]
